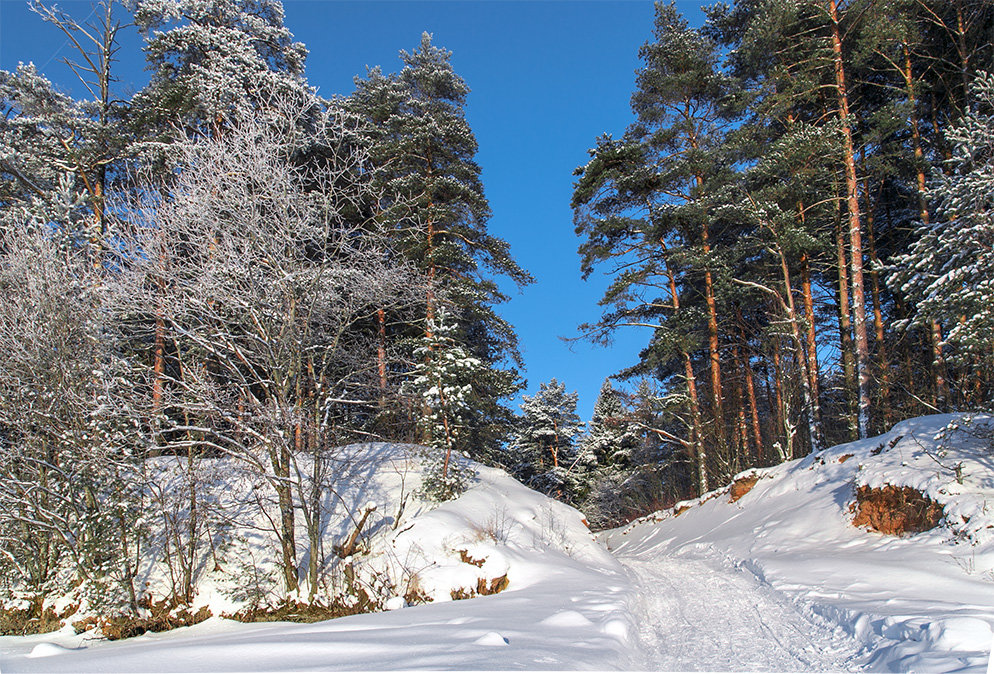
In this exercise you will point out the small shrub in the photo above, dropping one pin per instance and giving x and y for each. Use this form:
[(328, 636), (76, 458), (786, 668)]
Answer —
[(741, 487), (164, 616), (298, 612), (895, 510), (32, 619)]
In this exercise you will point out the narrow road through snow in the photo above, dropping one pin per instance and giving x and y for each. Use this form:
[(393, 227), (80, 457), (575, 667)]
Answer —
[(695, 614)]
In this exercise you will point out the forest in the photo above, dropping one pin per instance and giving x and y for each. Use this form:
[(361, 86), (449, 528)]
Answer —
[(227, 265)]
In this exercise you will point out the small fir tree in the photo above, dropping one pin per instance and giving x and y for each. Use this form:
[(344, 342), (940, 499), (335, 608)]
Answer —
[(443, 382), (611, 439)]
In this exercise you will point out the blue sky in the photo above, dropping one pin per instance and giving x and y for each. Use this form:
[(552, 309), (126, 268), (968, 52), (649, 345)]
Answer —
[(547, 78)]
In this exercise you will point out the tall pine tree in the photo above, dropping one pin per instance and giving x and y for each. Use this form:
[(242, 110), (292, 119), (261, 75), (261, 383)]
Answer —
[(434, 204)]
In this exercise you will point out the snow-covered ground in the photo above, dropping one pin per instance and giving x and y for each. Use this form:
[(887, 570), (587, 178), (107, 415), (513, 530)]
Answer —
[(778, 581), (921, 602), (565, 606), (695, 613)]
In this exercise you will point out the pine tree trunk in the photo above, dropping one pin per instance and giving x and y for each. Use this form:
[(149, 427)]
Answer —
[(845, 331), (783, 414), (938, 136), (555, 444), (754, 413), (714, 354), (159, 344), (757, 434), (811, 332), (159, 360), (855, 230), (963, 52), (381, 349), (878, 320), (697, 433), (697, 426), (430, 288), (935, 333), (742, 432), (814, 426)]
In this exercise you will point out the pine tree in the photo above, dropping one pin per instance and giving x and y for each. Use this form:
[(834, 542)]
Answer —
[(611, 439), (211, 61), (949, 272), (649, 206), (423, 149), (443, 381), (545, 442), (37, 124)]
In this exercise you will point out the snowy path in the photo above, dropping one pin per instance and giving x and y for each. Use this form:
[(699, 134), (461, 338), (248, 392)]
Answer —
[(693, 614)]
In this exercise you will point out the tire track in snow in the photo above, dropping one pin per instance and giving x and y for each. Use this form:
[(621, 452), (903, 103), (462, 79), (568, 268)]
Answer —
[(693, 614)]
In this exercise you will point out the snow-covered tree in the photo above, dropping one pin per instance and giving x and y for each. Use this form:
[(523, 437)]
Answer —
[(68, 439), (611, 437), (212, 61), (434, 204), (545, 442), (949, 272), (443, 380), (44, 140), (262, 285)]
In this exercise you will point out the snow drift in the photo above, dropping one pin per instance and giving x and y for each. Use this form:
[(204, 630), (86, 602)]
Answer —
[(821, 592), (562, 607)]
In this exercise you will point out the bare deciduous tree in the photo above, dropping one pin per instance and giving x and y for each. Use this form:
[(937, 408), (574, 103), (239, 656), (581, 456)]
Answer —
[(265, 279)]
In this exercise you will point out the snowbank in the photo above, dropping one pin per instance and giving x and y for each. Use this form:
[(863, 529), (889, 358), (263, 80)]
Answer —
[(921, 602), (563, 606)]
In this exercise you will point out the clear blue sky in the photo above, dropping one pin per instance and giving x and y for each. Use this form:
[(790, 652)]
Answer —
[(547, 78)]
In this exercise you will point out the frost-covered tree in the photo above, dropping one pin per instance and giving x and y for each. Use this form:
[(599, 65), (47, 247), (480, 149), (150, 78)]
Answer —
[(212, 61), (949, 272), (261, 283), (545, 442), (42, 131), (68, 437)]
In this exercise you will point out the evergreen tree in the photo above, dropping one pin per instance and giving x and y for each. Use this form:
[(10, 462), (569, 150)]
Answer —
[(39, 128), (545, 442), (949, 272), (650, 206), (211, 61), (423, 149), (443, 381), (611, 438)]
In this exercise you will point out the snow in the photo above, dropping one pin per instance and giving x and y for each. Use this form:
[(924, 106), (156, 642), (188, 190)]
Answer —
[(565, 606), (777, 581), (922, 602), (725, 620)]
